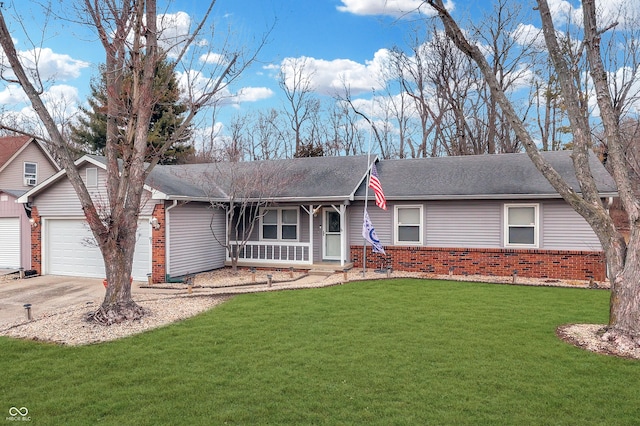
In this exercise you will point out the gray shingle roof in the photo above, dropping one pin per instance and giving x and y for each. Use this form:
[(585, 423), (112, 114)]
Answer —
[(313, 178), (480, 176), (14, 192), (497, 176)]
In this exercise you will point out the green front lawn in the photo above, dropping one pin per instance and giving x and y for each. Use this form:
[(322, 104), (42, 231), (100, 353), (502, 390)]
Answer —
[(404, 352)]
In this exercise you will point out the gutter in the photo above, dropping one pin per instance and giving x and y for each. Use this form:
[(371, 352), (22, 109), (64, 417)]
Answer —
[(341, 198), (167, 240), (480, 197)]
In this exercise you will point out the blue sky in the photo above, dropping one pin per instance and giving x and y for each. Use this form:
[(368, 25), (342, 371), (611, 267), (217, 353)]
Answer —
[(343, 40), (340, 38)]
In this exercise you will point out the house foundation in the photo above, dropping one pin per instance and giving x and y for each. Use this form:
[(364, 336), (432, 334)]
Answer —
[(552, 264)]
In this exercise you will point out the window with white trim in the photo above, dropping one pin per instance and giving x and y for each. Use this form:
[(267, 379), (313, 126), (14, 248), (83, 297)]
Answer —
[(92, 177), (521, 225), (279, 224), (30, 173), (408, 225)]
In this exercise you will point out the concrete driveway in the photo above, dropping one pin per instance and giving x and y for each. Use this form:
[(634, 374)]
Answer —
[(50, 293)]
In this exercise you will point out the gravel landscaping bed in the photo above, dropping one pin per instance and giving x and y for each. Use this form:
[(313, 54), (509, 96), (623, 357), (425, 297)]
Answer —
[(69, 327), (209, 289)]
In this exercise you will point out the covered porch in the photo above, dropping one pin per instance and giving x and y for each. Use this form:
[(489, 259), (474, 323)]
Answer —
[(312, 237)]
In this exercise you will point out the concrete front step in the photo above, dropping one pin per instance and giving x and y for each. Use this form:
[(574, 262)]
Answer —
[(322, 272)]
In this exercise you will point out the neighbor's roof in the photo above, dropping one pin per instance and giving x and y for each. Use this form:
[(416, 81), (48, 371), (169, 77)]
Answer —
[(481, 176), (9, 146), (14, 192)]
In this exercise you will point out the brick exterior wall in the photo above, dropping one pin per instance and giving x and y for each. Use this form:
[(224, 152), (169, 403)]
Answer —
[(558, 264), (36, 242), (158, 246)]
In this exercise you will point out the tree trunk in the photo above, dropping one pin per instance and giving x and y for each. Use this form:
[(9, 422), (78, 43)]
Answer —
[(624, 309), (623, 261), (118, 305)]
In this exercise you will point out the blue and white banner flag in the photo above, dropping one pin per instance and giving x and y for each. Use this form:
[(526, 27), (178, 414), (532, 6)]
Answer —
[(369, 234)]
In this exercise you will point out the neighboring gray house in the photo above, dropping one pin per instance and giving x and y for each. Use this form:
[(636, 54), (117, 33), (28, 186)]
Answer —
[(490, 214), (24, 163)]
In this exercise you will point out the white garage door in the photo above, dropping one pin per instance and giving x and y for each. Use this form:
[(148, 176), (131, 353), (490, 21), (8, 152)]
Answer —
[(72, 250), (9, 242)]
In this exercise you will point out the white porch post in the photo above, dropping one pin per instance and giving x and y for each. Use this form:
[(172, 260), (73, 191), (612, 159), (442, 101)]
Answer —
[(310, 213), (343, 237), (226, 235)]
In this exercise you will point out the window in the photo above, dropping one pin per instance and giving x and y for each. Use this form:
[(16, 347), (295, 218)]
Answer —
[(521, 225), (270, 225), (30, 174), (92, 177), (289, 224), (279, 224), (408, 229)]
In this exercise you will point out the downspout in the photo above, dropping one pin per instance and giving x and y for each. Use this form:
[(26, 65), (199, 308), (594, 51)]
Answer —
[(609, 203), (167, 245)]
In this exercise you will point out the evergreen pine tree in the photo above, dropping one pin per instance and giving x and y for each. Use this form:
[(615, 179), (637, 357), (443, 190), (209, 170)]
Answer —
[(89, 134)]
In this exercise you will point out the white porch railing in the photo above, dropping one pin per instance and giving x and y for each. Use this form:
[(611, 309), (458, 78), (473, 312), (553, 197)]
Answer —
[(273, 252)]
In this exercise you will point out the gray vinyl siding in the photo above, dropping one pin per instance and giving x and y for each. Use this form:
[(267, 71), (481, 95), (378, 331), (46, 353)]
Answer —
[(12, 177), (382, 222), (9, 208), (471, 224), (479, 224), (192, 245), (564, 229), (60, 198)]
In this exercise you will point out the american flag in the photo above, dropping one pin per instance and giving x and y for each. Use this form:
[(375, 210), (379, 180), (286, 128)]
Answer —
[(374, 183)]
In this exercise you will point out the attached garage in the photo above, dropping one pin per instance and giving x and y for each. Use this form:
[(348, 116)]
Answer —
[(70, 249), (10, 244)]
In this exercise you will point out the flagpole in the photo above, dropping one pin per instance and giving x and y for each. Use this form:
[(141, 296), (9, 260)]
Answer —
[(366, 191)]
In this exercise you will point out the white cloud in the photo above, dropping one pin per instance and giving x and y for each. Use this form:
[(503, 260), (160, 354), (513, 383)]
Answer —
[(213, 58), (174, 31), (395, 8), (12, 94), (529, 35), (331, 76), (50, 65), (253, 94), (625, 12), (61, 101), (209, 138), (195, 84), (562, 12)]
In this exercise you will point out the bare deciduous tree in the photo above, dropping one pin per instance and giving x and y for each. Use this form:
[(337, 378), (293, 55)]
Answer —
[(296, 82), (344, 136), (129, 34), (623, 259), (243, 191)]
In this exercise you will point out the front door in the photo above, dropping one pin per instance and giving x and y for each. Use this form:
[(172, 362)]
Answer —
[(331, 234)]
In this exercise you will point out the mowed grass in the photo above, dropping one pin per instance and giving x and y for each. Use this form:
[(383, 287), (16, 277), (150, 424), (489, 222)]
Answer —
[(402, 352)]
